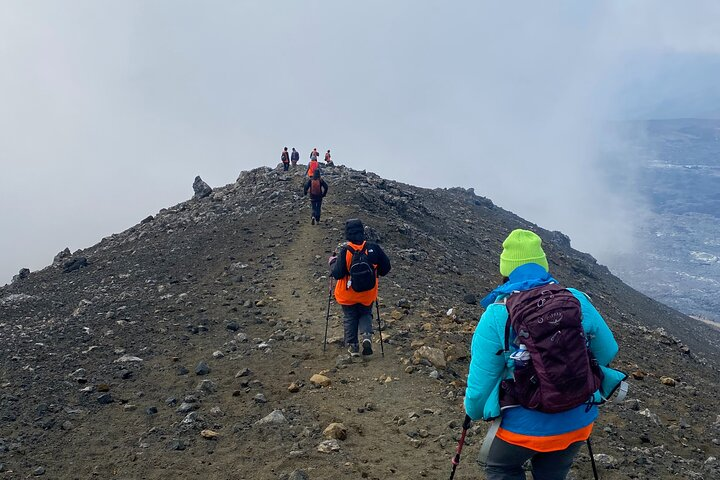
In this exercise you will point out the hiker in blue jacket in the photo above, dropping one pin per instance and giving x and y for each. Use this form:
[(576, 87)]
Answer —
[(549, 440)]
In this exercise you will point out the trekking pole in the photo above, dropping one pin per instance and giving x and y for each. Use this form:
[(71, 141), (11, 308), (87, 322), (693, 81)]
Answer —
[(382, 350), (456, 458), (327, 316), (592, 459)]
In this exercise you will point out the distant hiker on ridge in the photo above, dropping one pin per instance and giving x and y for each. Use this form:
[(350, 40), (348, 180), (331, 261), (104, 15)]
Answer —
[(356, 268), (534, 331), (328, 159), (294, 157), (285, 158), (318, 189), (312, 167), (314, 155)]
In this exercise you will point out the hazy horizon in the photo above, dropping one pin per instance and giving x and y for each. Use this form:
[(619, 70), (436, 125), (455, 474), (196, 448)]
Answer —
[(110, 109)]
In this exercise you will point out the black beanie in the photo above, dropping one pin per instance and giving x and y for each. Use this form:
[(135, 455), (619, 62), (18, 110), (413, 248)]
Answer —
[(354, 231)]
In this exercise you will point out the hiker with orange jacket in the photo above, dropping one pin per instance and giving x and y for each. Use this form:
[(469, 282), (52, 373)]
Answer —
[(356, 268), (318, 189), (313, 166)]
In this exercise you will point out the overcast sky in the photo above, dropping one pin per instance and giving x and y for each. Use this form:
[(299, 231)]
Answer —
[(108, 109)]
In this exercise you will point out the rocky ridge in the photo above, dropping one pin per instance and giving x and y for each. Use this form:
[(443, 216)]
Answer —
[(191, 345)]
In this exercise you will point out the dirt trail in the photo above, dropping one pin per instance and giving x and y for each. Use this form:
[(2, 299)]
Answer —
[(374, 396)]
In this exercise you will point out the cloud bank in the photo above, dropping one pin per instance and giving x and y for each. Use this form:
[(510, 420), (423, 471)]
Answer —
[(111, 108)]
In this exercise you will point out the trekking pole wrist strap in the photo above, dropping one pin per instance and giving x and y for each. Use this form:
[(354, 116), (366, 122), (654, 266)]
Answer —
[(488, 440)]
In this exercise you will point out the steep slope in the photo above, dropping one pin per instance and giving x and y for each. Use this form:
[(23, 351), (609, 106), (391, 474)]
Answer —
[(238, 280)]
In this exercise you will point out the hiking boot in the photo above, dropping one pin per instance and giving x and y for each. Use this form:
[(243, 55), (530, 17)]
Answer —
[(367, 347), (312, 221), (353, 350)]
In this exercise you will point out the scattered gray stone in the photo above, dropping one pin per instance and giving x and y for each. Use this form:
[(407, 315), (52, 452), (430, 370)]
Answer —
[(329, 446), (470, 299), (191, 418), (206, 386), (151, 410), (275, 417), (298, 475), (243, 373), (202, 368), (39, 471), (79, 375), (404, 303), (186, 407), (105, 399), (260, 398), (182, 370), (176, 444), (232, 326), (201, 188), (605, 461), (218, 354), (128, 358)]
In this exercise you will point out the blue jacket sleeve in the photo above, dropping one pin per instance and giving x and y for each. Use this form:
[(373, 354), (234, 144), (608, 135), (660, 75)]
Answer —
[(486, 367), (602, 342)]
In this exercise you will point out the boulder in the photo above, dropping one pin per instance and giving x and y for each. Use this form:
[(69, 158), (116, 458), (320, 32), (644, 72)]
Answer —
[(433, 355), (320, 380), (201, 188), (335, 430)]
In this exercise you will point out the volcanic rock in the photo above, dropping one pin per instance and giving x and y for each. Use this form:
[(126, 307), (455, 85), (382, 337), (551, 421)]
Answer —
[(201, 188)]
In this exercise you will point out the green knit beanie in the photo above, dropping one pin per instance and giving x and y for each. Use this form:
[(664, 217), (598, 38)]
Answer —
[(519, 248)]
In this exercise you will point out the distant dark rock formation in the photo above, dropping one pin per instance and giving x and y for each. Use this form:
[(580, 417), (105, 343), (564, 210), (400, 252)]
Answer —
[(22, 275), (201, 188), (61, 257), (75, 264)]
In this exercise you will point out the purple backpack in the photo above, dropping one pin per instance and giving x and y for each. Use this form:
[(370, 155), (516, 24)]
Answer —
[(562, 372)]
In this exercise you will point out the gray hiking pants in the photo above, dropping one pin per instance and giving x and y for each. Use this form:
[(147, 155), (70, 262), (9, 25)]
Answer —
[(357, 318), (505, 462)]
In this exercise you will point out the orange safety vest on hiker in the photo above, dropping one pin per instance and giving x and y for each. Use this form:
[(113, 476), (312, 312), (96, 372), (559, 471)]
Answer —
[(348, 296), (312, 166)]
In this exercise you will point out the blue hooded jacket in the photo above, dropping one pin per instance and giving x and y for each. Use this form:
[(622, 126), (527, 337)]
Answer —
[(487, 369)]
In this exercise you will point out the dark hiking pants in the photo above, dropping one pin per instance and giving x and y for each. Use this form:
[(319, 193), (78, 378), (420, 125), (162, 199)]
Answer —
[(286, 166), (357, 318), (316, 204), (505, 462)]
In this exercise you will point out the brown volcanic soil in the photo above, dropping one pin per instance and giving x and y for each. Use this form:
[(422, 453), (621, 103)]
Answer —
[(244, 273)]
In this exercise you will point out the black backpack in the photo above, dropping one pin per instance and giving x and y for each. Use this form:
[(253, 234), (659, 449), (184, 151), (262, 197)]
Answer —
[(362, 273)]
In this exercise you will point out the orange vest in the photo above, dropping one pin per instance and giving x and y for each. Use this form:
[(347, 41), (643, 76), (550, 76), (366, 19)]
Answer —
[(348, 296), (312, 167)]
